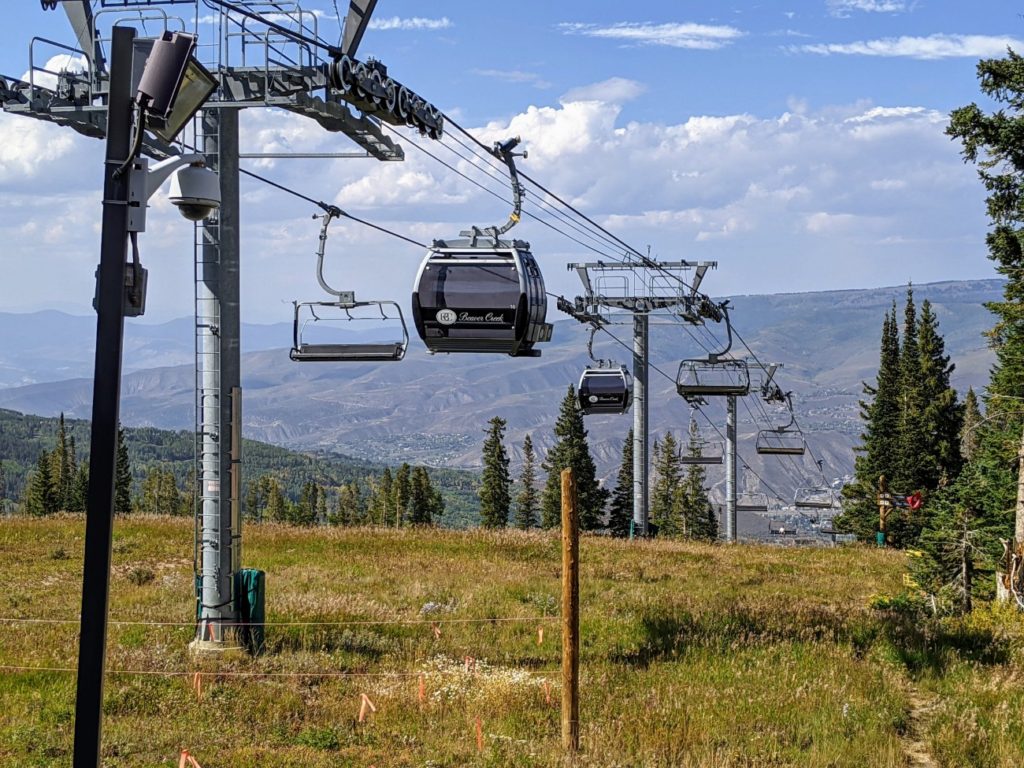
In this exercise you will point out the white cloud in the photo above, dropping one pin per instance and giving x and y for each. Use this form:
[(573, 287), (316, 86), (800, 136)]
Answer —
[(413, 23), (932, 47), (514, 76), (615, 90), (46, 75), (675, 35), (854, 195), (843, 8)]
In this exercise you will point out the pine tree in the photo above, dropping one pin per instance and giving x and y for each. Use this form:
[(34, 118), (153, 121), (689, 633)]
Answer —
[(697, 512), (62, 466), (495, 483), (277, 506), (572, 450), (911, 469), (620, 514), (992, 142), (122, 477), (320, 513), (958, 543), (40, 499), (970, 437), (421, 498), (305, 512), (3, 490), (527, 500), (943, 414), (400, 494), (879, 451), (664, 489), (79, 489), (382, 497)]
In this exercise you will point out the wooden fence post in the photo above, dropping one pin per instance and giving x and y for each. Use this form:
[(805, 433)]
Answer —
[(570, 615)]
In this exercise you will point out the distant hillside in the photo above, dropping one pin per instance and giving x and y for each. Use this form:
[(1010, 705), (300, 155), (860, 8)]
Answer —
[(24, 437), (433, 409)]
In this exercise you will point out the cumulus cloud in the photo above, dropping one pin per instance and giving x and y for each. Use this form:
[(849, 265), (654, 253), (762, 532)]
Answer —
[(674, 35), (931, 47), (864, 194), (412, 23), (46, 75)]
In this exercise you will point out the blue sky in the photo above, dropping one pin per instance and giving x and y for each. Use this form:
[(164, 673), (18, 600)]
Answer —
[(799, 144)]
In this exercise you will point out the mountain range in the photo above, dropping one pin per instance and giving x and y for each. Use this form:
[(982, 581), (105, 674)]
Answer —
[(434, 409)]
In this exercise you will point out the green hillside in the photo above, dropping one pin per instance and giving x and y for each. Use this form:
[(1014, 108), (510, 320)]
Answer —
[(23, 437)]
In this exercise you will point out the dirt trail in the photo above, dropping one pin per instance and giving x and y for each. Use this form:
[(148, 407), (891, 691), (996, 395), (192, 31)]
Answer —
[(914, 745)]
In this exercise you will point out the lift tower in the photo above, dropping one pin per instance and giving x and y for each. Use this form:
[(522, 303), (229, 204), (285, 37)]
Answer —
[(641, 290), (258, 62)]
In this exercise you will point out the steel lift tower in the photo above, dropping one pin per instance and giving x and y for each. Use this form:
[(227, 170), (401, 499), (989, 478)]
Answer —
[(667, 291), (258, 62)]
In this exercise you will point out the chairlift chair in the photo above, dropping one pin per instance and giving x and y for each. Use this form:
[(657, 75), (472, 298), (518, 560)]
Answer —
[(708, 453), (482, 293), (315, 326), (752, 502), (814, 498), (786, 440), (715, 375)]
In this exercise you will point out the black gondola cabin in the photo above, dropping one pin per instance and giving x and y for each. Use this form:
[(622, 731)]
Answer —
[(473, 296), (605, 390)]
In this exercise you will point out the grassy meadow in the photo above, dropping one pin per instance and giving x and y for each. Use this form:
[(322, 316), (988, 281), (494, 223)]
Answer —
[(692, 655)]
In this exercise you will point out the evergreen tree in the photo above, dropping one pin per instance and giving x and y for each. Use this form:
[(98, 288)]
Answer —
[(909, 473), (969, 435), (62, 466), (320, 515), (665, 488), (495, 483), (421, 498), (256, 498), (122, 477), (958, 543), (527, 500), (304, 513), (620, 514), (40, 498), (878, 452), (382, 497), (3, 490), (697, 512), (992, 142), (277, 506), (572, 450), (79, 489), (942, 415), (400, 493)]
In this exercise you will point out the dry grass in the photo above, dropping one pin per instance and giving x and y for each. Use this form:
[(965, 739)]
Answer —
[(692, 655)]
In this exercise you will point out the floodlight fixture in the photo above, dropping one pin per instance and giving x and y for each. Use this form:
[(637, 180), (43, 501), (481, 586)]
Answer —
[(174, 85)]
